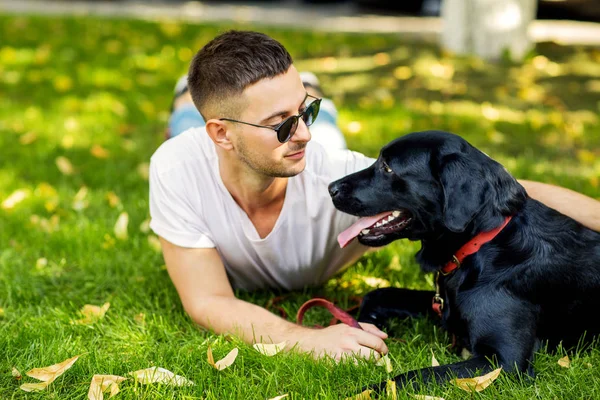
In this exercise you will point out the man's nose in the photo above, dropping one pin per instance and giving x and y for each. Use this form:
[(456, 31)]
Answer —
[(302, 133)]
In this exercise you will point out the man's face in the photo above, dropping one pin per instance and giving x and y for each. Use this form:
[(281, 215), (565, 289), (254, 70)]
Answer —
[(269, 102)]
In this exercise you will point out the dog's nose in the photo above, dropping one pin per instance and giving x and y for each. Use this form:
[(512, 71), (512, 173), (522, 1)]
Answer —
[(334, 189)]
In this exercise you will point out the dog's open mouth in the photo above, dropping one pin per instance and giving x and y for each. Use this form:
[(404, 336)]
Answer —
[(370, 229)]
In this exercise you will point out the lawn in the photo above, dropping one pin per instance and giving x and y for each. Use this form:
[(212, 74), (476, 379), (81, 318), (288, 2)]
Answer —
[(83, 104)]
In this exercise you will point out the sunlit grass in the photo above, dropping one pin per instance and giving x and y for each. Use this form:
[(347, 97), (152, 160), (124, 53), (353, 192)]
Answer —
[(69, 87)]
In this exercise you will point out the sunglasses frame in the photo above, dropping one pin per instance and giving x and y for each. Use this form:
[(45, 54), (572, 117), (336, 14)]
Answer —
[(276, 128)]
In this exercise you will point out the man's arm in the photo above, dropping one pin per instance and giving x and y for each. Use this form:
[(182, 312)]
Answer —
[(581, 208), (200, 279)]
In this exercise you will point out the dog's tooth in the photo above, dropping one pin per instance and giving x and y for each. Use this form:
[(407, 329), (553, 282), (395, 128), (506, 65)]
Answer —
[(396, 213), (377, 225), (390, 218), (365, 231)]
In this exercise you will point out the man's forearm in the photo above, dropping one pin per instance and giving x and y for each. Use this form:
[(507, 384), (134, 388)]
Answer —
[(575, 205), (251, 323)]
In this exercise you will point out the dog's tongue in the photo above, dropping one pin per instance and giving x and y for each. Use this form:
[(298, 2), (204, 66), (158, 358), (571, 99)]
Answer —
[(346, 236)]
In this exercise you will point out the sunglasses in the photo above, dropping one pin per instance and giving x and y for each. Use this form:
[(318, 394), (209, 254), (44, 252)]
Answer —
[(286, 129)]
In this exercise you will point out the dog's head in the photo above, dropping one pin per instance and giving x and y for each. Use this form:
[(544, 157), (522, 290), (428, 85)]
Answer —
[(423, 185)]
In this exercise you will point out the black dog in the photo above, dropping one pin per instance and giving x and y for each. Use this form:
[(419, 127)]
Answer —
[(537, 280)]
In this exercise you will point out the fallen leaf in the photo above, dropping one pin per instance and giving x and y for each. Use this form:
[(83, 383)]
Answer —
[(140, 318), (79, 201), (434, 361), (154, 243), (102, 383), (1, 312), (113, 199), (424, 397), (268, 349), (27, 138), (385, 362), (99, 151), (390, 390), (15, 198), (145, 226), (478, 383), (565, 362), (121, 226), (41, 263), (279, 397), (160, 375), (64, 165), (224, 362), (366, 395), (465, 354), (47, 374), (143, 170), (16, 374), (91, 313)]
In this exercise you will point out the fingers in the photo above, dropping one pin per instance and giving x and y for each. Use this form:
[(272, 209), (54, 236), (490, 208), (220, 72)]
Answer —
[(371, 341), (373, 329)]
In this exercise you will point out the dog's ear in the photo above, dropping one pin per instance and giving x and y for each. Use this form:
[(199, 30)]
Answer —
[(464, 190), (471, 181)]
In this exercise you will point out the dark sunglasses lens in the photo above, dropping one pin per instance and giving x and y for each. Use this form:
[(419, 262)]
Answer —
[(285, 131), (310, 114)]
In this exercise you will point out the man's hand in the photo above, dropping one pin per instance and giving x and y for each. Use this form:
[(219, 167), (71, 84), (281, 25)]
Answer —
[(339, 341)]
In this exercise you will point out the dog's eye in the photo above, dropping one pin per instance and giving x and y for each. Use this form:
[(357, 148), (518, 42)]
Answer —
[(386, 167)]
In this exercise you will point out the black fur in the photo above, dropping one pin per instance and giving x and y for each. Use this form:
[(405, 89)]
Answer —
[(538, 280)]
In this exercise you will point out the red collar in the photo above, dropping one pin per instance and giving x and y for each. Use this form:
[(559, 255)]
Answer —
[(471, 247)]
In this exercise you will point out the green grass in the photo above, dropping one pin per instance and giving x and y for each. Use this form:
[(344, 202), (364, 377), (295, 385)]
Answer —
[(67, 84)]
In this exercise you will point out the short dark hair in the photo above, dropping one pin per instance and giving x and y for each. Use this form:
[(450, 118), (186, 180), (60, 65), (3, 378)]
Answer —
[(229, 63)]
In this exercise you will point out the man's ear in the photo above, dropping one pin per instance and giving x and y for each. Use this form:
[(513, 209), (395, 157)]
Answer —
[(219, 133), (464, 187)]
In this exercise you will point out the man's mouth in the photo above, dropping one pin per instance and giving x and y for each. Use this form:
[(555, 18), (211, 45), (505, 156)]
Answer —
[(376, 226), (296, 155)]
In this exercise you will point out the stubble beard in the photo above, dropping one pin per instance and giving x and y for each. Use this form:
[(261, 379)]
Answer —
[(263, 166)]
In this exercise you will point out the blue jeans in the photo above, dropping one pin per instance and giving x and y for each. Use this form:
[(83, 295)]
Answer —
[(324, 130)]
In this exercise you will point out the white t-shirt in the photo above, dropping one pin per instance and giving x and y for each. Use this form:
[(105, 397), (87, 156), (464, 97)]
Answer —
[(190, 207)]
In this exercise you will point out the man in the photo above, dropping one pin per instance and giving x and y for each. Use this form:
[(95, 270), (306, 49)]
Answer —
[(242, 202)]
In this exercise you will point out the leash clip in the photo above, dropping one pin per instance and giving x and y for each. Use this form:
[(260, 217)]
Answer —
[(456, 262)]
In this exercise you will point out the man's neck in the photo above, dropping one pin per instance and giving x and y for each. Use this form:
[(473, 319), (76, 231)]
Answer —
[(250, 190)]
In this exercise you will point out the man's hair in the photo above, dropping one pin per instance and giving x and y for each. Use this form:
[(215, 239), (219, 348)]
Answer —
[(229, 63)]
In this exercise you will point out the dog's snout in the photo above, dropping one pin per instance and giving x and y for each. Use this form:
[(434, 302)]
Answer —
[(335, 188)]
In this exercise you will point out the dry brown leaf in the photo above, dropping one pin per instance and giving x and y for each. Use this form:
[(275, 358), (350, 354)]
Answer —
[(269, 349), (283, 396), (424, 397), (103, 383), (477, 383), (92, 313), (434, 361), (366, 395), (390, 390), (16, 374), (121, 226), (99, 151), (64, 165), (15, 198), (47, 374), (385, 362), (224, 362), (160, 375), (565, 362)]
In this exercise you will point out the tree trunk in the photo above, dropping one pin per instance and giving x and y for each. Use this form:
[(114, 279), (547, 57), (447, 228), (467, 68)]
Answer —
[(487, 28)]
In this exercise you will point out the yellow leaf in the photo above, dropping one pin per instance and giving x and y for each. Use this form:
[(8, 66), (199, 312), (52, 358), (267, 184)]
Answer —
[(143, 171), (279, 397), (1, 312), (102, 383), (15, 198), (224, 362), (99, 151), (423, 397), (91, 313), (434, 361), (478, 383), (47, 374), (366, 395), (16, 374), (390, 390), (154, 243), (385, 362), (145, 226), (565, 362), (41, 263), (27, 138), (269, 349), (113, 199), (160, 375), (121, 226), (79, 201), (64, 165)]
